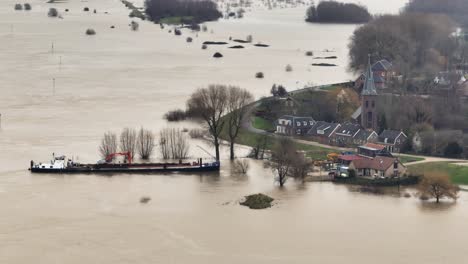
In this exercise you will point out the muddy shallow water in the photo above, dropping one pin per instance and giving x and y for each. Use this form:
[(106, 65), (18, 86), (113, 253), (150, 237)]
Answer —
[(120, 78)]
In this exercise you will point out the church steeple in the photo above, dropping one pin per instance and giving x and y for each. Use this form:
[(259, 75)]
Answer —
[(369, 84), (369, 112)]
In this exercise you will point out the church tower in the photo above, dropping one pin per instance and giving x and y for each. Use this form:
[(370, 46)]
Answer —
[(369, 101)]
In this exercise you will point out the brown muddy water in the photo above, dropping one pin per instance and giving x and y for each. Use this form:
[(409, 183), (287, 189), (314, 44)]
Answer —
[(120, 78)]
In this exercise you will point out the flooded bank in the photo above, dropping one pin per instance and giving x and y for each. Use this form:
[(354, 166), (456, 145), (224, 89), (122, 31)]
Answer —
[(120, 78)]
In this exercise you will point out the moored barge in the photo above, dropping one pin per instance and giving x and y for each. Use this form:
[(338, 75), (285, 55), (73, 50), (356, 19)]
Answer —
[(63, 165)]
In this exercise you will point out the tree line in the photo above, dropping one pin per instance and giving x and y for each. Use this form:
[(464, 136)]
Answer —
[(173, 143), (456, 9), (416, 44), (193, 11), (336, 12)]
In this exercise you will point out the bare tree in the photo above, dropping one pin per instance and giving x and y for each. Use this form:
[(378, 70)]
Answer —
[(237, 102), (241, 165), (128, 139), (437, 185), (258, 151), (145, 143), (173, 144), (301, 166), (210, 104), (108, 144), (282, 159)]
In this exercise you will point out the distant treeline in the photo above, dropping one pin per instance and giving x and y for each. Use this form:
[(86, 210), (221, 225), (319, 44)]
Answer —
[(335, 12), (190, 11), (456, 9)]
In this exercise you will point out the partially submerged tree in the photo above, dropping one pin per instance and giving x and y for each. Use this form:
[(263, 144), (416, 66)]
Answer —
[(241, 165), (145, 143), (282, 159), (258, 151), (301, 166), (53, 12), (210, 104), (108, 144), (173, 144), (128, 140), (437, 185), (237, 101)]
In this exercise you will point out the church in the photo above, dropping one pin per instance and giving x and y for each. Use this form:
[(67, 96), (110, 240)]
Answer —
[(367, 113)]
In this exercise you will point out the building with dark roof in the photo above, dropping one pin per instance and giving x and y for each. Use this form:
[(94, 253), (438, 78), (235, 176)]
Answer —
[(294, 125), (345, 134), (322, 131), (393, 140)]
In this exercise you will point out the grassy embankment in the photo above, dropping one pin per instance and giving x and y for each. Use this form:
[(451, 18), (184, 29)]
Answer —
[(458, 174), (262, 123), (408, 159), (175, 20)]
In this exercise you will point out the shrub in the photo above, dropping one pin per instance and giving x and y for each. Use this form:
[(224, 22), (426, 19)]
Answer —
[(18, 7), (197, 133), (241, 166), (27, 6), (259, 75), (204, 46), (257, 201), (90, 31), (134, 25), (53, 12), (177, 32), (175, 115), (189, 39), (86, 9), (217, 55), (289, 68), (137, 13)]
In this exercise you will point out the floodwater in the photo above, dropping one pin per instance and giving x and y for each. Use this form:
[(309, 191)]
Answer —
[(120, 78)]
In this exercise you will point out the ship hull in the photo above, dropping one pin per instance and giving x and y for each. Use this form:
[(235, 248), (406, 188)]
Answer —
[(133, 169)]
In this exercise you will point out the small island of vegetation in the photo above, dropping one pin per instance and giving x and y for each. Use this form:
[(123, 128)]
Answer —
[(257, 201), (335, 12), (181, 12)]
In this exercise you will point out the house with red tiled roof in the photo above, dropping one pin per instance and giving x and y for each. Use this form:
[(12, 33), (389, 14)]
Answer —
[(377, 167)]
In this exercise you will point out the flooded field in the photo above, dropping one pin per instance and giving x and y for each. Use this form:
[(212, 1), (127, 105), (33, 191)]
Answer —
[(60, 90)]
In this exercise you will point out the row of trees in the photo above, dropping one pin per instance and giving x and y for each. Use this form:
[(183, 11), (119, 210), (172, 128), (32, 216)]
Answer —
[(193, 11), (173, 143), (223, 109), (335, 12)]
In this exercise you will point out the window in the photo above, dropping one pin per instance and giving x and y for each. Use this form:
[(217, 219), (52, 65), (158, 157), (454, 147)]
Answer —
[(298, 131), (311, 123), (367, 104), (373, 104), (305, 123), (298, 124)]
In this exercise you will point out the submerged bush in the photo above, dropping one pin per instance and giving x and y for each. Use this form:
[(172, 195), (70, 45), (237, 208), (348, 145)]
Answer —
[(309, 53), (134, 26), (86, 9), (18, 7), (257, 201), (27, 6), (259, 75), (175, 115), (90, 31), (289, 68), (52, 12)]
